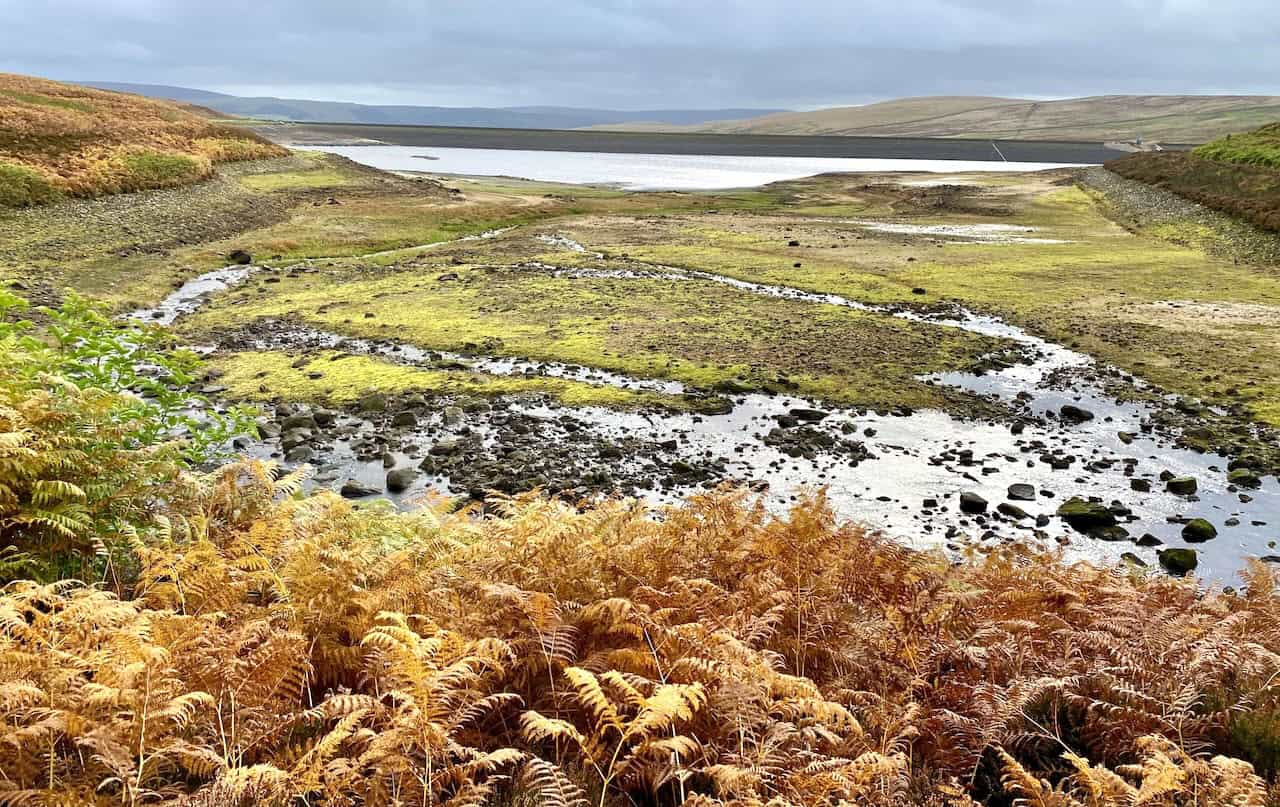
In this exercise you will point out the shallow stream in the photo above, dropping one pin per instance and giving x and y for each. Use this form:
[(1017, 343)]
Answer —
[(914, 457)]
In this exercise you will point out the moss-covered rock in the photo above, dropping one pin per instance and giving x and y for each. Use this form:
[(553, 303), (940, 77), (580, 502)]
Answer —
[(1178, 561), (1084, 515), (1198, 530)]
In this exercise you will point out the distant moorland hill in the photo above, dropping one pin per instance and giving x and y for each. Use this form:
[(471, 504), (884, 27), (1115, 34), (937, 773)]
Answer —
[(533, 117), (1163, 118), (65, 140)]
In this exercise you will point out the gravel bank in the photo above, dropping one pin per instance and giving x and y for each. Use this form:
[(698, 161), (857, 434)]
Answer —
[(1139, 206)]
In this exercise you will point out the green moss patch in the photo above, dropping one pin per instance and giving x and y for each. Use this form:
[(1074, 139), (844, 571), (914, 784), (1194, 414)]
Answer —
[(340, 379)]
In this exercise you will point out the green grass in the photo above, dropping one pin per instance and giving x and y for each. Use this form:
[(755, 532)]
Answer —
[(156, 169), (699, 333), (344, 379), (296, 180), (48, 100), (1258, 147), (22, 187)]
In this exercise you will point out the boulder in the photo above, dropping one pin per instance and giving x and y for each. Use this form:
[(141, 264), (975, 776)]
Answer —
[(373, 402), (1178, 561), (302, 420), (809, 415), (972, 503), (352, 489), (401, 479), (405, 418), (1244, 477), (1022, 492), (1084, 515), (299, 454), (446, 447), (1013, 511), (1071, 413), (1198, 530), (1113, 533), (1181, 485), (239, 257)]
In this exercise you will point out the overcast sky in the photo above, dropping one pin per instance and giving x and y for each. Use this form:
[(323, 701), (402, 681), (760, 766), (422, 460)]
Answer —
[(634, 54)]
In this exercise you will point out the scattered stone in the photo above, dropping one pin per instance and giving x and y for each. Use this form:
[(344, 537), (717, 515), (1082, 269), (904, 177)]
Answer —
[(373, 402), (1022, 492), (1178, 561), (1198, 530), (1140, 485), (351, 489), (972, 503), (1070, 413), (401, 479), (1244, 477), (1085, 516), (1181, 485)]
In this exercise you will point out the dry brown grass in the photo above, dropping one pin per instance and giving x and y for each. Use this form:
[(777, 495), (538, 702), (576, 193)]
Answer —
[(63, 140)]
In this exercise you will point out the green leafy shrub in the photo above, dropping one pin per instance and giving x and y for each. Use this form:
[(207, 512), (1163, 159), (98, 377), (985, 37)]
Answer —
[(97, 426), (23, 187)]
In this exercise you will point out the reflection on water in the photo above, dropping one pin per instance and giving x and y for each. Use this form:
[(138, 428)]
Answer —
[(642, 172)]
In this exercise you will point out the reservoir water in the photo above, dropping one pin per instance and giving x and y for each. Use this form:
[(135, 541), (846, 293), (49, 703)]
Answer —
[(644, 172)]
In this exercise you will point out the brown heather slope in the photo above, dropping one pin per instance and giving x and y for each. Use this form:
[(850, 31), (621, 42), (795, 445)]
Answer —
[(1238, 175), (1166, 118), (61, 140)]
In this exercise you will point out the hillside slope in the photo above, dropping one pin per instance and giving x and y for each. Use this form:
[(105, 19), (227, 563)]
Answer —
[(1166, 118), (1236, 174), (64, 140), (531, 117)]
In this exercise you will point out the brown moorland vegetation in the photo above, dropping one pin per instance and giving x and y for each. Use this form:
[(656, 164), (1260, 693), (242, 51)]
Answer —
[(64, 140), (1238, 174), (225, 640), (1162, 118)]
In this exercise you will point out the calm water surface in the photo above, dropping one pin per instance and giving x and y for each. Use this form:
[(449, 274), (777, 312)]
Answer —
[(643, 172)]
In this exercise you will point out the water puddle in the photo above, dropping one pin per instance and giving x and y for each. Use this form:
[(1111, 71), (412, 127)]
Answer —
[(985, 233)]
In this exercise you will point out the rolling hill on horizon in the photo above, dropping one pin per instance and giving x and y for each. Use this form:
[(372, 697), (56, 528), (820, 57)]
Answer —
[(1162, 118), (526, 117)]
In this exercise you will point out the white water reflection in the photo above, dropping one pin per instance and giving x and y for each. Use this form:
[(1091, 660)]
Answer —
[(643, 172)]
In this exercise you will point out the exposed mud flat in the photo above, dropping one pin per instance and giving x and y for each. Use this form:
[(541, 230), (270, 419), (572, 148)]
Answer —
[(959, 233)]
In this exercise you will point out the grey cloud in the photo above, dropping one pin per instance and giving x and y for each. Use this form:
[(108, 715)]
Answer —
[(647, 53)]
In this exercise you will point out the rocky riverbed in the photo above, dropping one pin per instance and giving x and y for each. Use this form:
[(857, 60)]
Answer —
[(1066, 464)]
